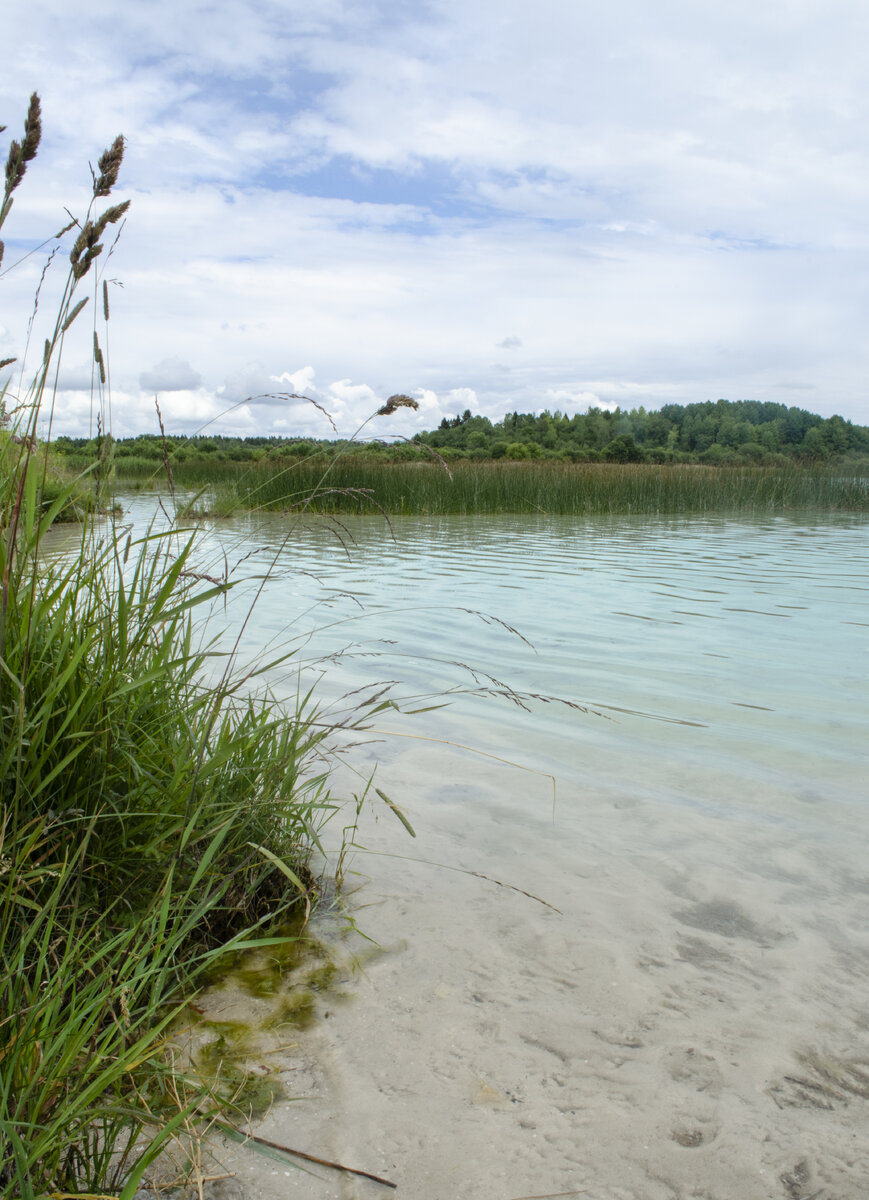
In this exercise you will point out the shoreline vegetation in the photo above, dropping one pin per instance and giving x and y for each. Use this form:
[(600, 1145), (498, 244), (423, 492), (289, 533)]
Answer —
[(348, 485), (159, 809), (714, 457)]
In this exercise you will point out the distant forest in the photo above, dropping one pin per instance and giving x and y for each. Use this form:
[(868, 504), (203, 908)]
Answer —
[(715, 432)]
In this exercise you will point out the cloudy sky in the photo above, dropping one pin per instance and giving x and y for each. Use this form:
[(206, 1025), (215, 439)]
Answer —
[(487, 204)]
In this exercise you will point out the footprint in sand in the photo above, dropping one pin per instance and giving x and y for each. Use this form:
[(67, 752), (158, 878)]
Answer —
[(694, 1122), (694, 1068)]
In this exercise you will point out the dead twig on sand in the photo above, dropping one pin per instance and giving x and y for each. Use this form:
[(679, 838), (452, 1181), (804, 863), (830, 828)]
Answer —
[(553, 1195), (322, 1162)]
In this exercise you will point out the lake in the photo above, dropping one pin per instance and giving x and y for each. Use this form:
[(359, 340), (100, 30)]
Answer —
[(627, 954)]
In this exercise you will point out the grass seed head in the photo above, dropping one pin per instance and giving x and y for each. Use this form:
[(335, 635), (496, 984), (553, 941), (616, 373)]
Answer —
[(109, 166), (15, 167), (111, 216), (32, 129), (396, 402), (73, 314), (21, 153)]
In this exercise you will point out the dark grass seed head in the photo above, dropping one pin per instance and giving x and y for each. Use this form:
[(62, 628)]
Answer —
[(109, 165), (21, 153)]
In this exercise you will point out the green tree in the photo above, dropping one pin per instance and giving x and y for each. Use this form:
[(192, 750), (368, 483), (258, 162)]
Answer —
[(622, 449)]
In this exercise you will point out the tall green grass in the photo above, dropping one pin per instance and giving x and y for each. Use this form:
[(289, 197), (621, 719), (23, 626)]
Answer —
[(143, 816), (149, 820), (357, 484)]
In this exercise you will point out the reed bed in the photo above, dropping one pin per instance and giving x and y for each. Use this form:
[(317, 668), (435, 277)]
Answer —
[(358, 484)]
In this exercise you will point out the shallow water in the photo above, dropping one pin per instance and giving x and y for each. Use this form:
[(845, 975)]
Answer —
[(693, 1021), (730, 649)]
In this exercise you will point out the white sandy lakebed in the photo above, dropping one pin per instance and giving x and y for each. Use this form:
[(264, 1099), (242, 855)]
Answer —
[(693, 1022)]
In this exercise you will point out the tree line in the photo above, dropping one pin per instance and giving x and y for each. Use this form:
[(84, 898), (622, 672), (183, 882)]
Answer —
[(712, 432), (719, 431)]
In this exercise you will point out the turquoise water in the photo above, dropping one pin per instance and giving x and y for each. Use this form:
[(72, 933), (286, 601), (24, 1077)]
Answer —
[(691, 1021), (732, 650)]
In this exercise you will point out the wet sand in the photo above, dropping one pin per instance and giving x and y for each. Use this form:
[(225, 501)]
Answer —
[(693, 1022)]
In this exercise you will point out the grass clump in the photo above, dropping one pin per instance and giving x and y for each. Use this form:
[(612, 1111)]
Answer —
[(148, 819)]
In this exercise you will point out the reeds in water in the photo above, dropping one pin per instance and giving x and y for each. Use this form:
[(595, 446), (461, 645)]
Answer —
[(358, 484)]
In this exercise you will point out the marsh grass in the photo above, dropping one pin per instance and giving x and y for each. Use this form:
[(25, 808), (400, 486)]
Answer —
[(151, 820), (358, 484)]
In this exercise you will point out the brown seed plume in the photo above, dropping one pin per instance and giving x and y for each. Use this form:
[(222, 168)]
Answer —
[(87, 245), (396, 402), (21, 153), (32, 129), (109, 166)]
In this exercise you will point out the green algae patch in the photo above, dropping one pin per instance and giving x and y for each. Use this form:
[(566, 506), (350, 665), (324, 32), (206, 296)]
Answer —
[(240, 1027), (297, 1010), (260, 982), (233, 1042)]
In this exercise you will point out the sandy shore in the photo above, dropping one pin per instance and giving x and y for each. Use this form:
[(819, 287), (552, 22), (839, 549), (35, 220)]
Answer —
[(692, 1023)]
